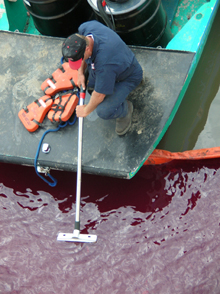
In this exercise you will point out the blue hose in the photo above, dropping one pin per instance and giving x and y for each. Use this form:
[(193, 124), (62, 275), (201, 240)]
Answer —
[(53, 181)]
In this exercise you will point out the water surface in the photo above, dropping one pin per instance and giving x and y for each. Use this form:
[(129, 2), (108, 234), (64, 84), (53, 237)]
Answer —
[(157, 233)]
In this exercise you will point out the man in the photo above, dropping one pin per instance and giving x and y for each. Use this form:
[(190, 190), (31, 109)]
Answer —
[(113, 72)]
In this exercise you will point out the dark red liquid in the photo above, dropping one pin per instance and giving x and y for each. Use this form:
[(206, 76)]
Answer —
[(157, 233)]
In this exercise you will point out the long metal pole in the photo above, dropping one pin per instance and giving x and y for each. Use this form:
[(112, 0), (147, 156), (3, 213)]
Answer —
[(79, 170), (76, 236), (79, 167)]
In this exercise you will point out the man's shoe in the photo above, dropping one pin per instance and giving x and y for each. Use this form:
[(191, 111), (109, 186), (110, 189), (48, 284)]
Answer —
[(123, 124)]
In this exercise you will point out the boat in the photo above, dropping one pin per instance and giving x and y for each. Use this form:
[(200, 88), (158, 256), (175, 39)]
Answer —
[(193, 133), (29, 55)]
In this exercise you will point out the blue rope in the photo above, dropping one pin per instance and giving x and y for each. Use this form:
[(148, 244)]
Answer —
[(53, 181)]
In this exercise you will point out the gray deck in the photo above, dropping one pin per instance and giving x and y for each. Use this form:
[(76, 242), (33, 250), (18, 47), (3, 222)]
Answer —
[(27, 60)]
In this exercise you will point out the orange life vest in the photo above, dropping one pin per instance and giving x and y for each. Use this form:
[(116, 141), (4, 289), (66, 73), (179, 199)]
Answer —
[(32, 116), (58, 104), (63, 107), (64, 78)]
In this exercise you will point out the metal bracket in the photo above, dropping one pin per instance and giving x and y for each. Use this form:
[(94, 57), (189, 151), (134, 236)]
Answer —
[(43, 170)]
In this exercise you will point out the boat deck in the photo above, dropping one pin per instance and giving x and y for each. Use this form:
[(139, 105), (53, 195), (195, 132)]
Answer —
[(25, 66)]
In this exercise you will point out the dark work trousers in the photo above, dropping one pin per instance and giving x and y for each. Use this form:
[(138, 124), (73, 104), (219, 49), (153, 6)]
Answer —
[(115, 105)]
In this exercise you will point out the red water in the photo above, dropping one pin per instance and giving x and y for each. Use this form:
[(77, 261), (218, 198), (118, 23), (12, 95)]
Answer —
[(157, 233)]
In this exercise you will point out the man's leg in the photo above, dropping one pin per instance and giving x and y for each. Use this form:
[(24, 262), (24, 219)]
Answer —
[(116, 106)]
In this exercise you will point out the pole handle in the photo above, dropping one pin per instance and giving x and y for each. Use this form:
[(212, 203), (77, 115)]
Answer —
[(82, 92)]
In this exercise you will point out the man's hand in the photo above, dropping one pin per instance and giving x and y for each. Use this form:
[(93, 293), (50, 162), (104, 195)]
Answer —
[(81, 80), (81, 110), (95, 99)]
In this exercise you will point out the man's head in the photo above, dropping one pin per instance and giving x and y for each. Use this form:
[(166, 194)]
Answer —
[(73, 50)]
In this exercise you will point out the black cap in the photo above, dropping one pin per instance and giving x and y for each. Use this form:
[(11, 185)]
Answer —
[(73, 47)]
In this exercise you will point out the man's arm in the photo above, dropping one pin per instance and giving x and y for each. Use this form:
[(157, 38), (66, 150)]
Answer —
[(95, 99), (81, 76)]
